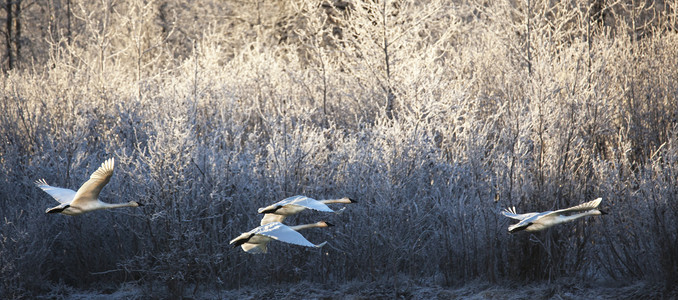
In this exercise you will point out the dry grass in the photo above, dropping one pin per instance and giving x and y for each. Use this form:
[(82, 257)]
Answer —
[(433, 117)]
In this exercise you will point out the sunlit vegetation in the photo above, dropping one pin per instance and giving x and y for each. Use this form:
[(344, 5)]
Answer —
[(433, 115)]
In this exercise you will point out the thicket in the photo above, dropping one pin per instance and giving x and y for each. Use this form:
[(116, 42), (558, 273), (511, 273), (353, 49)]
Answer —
[(433, 115)]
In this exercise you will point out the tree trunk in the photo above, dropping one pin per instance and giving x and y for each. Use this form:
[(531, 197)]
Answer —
[(8, 34), (68, 21), (17, 32)]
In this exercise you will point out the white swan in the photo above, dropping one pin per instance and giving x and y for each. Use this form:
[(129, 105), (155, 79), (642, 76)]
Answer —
[(278, 211), (539, 221), (87, 197), (256, 240)]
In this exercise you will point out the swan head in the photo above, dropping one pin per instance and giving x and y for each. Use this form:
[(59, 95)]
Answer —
[(596, 212), (136, 204), (324, 224)]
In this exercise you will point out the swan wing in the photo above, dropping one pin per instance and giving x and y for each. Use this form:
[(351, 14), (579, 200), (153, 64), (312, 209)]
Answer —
[(245, 235), (518, 226), (581, 207), (57, 209), (281, 232), (534, 217), (64, 196), (271, 218), (309, 203), (278, 204), (89, 191), (255, 248), (300, 201), (511, 213)]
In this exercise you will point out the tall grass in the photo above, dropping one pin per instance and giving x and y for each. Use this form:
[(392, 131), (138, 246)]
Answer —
[(433, 137)]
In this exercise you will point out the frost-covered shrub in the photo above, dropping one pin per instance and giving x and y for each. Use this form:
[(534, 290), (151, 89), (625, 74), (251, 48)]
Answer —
[(433, 118)]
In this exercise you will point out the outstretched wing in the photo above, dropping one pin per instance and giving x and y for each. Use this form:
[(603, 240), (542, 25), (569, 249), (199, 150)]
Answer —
[(271, 218), (255, 248), (64, 196), (309, 203), (511, 213), (531, 218), (300, 201), (89, 191), (284, 233), (241, 237), (278, 204), (581, 207), (57, 209), (519, 226)]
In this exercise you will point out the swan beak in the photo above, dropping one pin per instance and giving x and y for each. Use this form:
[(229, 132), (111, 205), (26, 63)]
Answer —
[(602, 212), (329, 224), (352, 200)]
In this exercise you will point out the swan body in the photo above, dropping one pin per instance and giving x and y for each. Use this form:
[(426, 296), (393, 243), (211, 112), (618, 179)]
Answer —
[(278, 211), (86, 199), (256, 240), (536, 221)]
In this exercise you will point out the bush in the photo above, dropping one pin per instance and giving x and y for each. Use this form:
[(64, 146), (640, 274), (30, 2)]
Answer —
[(434, 117)]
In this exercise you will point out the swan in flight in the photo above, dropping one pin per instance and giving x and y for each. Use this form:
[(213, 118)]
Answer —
[(535, 221), (87, 197), (256, 240), (277, 212)]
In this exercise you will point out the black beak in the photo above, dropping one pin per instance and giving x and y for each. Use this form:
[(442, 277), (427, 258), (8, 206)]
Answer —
[(329, 224), (352, 201), (602, 212)]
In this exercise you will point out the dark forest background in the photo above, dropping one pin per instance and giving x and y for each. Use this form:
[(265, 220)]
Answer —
[(434, 115)]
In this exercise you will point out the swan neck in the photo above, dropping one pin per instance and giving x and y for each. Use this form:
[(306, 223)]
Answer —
[(579, 215), (306, 226), (117, 205), (342, 200)]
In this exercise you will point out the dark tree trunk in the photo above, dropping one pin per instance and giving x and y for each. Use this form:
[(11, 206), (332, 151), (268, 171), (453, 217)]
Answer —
[(13, 33), (8, 34), (68, 21), (17, 32)]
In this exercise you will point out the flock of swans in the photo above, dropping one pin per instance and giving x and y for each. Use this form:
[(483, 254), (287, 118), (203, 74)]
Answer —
[(272, 228), (255, 241)]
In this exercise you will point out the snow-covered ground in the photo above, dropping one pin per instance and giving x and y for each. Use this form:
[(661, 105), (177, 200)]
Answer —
[(562, 289)]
